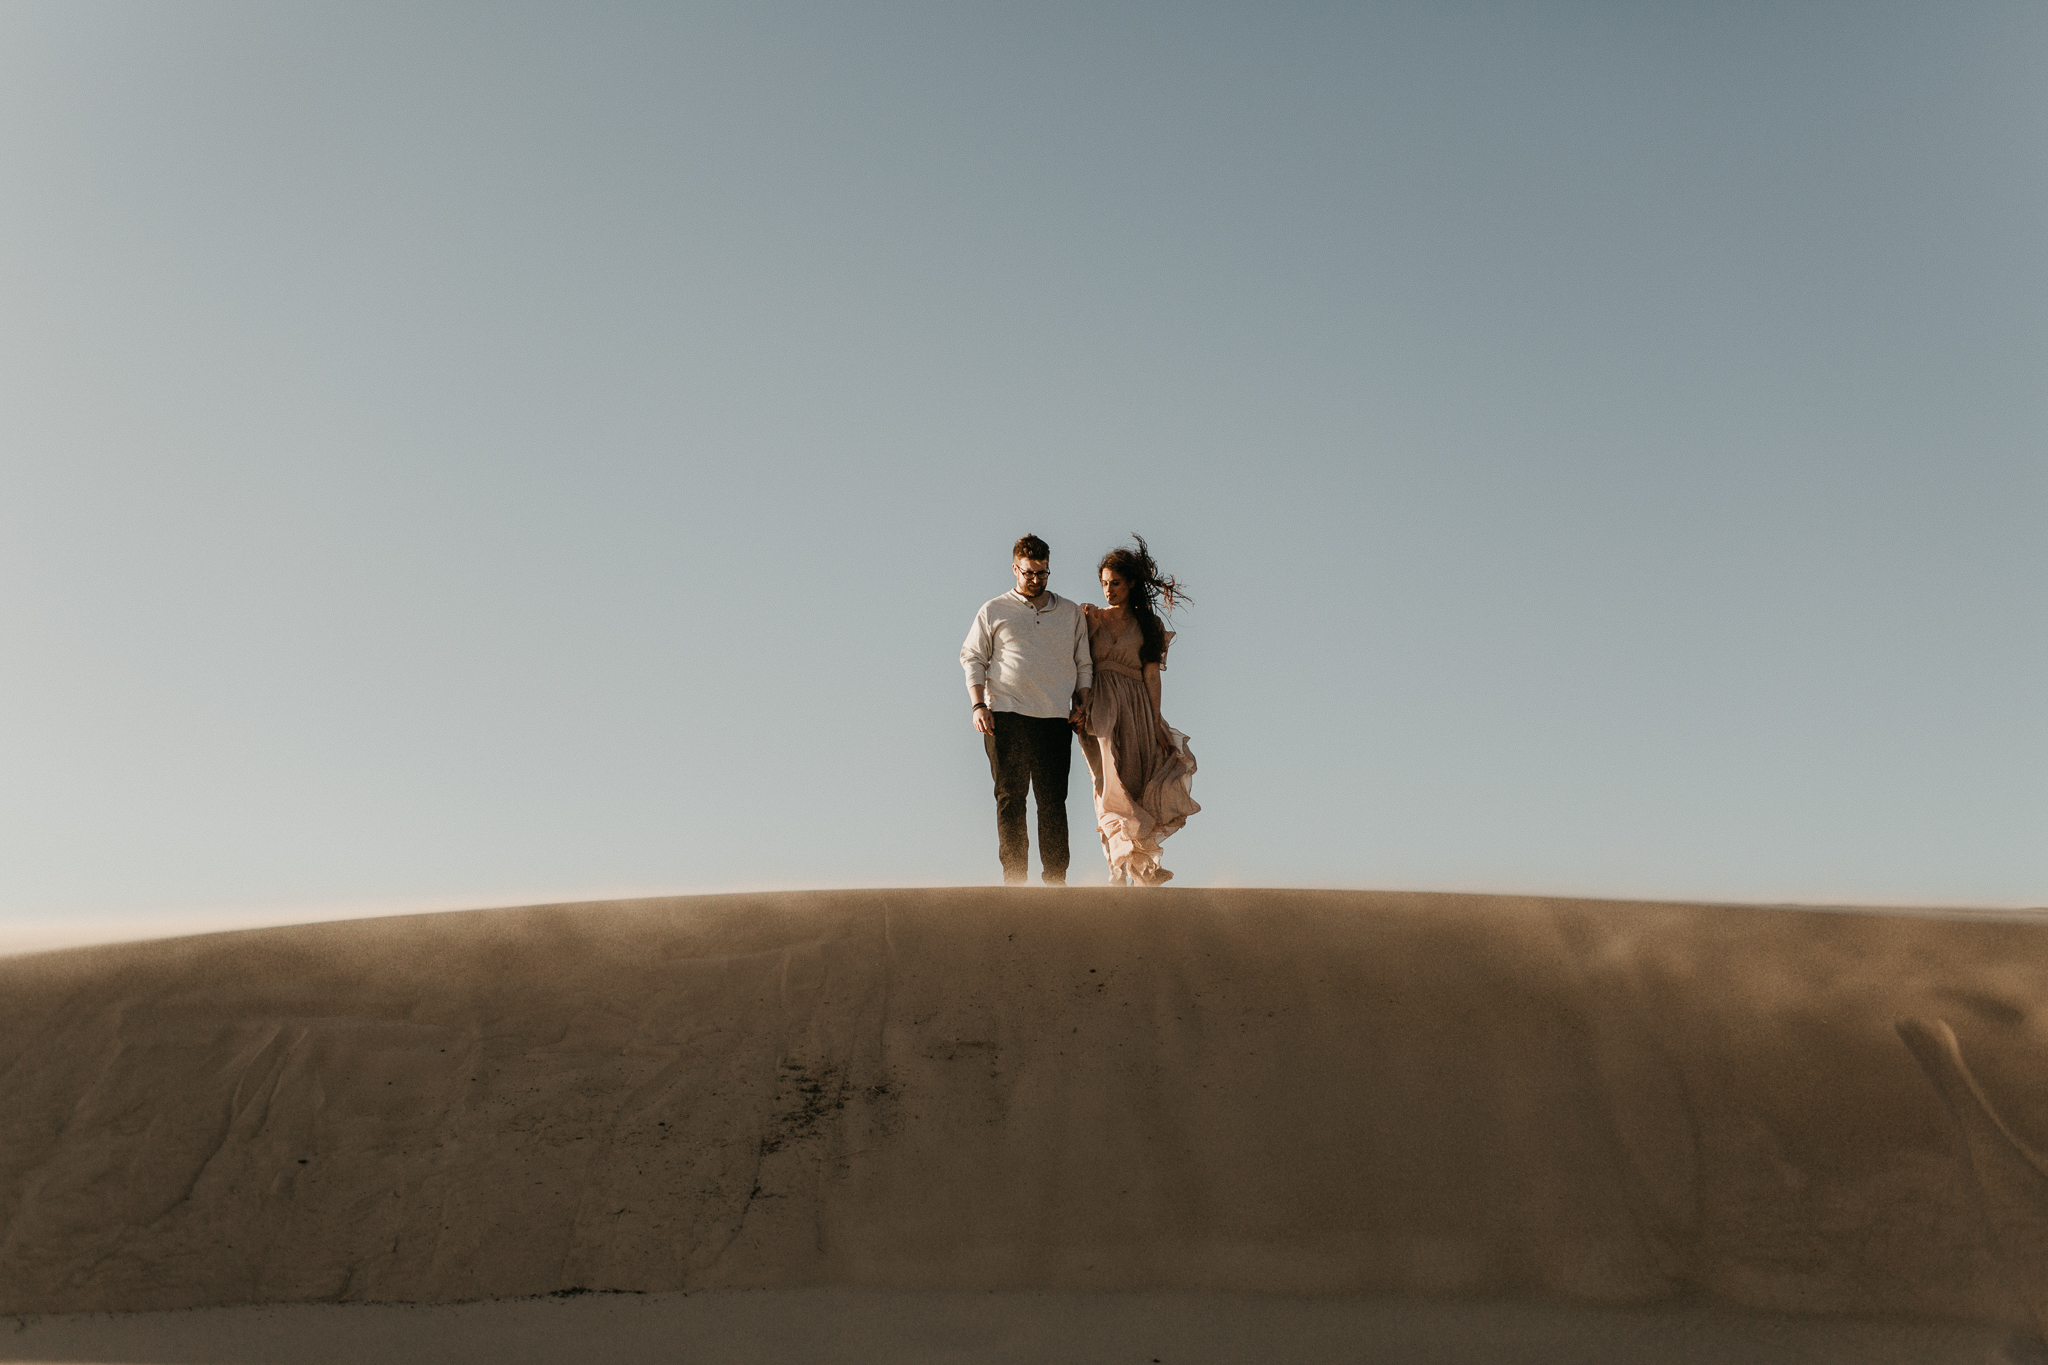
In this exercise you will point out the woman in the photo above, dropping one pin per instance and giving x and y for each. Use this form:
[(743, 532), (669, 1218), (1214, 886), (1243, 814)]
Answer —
[(1142, 766)]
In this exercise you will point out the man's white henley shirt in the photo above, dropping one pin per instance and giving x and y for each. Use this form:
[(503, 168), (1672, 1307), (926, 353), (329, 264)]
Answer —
[(1032, 655)]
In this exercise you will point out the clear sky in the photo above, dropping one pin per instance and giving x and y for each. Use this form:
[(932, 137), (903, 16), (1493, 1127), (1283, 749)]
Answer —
[(480, 454)]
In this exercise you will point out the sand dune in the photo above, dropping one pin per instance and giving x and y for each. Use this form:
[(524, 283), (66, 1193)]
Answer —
[(843, 1326), (1220, 1092)]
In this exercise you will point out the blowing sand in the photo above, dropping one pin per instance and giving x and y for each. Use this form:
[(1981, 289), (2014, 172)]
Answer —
[(922, 1106)]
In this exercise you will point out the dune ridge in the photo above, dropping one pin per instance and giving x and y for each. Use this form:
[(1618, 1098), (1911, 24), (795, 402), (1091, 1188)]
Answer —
[(1224, 1091)]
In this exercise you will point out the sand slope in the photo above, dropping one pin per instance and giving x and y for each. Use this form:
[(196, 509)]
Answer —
[(1221, 1091), (842, 1326)]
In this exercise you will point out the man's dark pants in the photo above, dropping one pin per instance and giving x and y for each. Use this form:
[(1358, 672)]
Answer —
[(1031, 752)]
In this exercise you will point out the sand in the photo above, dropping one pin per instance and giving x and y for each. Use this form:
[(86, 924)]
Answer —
[(908, 1327), (1059, 1101)]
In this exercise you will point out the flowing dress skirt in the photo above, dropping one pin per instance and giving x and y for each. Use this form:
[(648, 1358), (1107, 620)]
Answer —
[(1141, 784)]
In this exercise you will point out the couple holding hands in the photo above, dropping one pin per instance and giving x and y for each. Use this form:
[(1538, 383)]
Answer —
[(1040, 669)]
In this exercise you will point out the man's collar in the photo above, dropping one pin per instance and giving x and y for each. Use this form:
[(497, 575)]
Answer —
[(1045, 601)]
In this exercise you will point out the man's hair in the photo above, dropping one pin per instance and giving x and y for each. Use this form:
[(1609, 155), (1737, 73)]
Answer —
[(1029, 546)]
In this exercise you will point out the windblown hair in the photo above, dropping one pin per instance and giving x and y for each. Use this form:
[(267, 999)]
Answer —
[(1029, 546), (1149, 589)]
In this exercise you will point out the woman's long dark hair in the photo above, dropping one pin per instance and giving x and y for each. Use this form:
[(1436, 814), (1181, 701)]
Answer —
[(1148, 587)]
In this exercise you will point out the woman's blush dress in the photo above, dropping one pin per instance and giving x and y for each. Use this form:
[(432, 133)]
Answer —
[(1141, 784)]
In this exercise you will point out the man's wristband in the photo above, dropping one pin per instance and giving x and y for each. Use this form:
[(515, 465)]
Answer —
[(981, 706)]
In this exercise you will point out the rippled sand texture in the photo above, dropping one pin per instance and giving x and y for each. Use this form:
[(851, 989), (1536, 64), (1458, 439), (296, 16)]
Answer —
[(1216, 1091)]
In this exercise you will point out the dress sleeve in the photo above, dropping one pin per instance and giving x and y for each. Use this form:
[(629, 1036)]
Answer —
[(1165, 643)]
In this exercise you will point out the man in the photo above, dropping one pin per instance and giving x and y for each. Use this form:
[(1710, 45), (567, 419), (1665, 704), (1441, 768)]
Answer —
[(1028, 675)]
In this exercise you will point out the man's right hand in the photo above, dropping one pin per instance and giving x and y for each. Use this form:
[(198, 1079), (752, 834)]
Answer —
[(984, 720)]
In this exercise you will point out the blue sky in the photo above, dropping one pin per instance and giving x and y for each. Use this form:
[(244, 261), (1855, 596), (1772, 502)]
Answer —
[(476, 454)]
